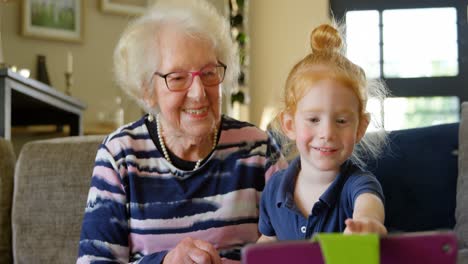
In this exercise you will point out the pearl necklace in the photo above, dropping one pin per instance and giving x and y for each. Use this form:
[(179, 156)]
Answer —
[(163, 145)]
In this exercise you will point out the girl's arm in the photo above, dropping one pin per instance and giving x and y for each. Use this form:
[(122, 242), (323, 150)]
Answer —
[(368, 216)]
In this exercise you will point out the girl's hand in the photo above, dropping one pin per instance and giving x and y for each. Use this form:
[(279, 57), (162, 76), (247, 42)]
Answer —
[(364, 225), (368, 216)]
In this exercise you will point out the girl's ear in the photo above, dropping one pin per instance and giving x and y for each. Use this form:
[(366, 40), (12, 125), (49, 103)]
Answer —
[(363, 124), (287, 125)]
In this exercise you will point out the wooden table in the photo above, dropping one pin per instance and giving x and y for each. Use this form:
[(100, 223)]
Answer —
[(25, 102)]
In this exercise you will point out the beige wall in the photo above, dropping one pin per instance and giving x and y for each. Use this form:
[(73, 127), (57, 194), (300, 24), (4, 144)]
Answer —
[(92, 59), (279, 35), (279, 30)]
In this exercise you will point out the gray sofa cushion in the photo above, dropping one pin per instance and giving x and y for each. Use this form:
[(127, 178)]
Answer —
[(51, 185), (462, 256), (461, 212), (7, 165)]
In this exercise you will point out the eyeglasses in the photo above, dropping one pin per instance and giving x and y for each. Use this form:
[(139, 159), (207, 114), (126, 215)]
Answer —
[(210, 75)]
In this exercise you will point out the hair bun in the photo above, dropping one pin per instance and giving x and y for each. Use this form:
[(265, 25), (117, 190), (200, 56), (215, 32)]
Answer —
[(325, 38)]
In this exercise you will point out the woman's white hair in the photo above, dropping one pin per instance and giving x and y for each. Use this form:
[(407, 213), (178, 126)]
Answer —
[(137, 54)]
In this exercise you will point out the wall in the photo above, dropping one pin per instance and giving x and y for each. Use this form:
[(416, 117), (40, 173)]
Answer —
[(278, 29), (279, 37), (92, 59)]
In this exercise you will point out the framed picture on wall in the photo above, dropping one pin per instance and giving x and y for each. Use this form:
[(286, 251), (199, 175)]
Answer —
[(124, 7), (55, 20)]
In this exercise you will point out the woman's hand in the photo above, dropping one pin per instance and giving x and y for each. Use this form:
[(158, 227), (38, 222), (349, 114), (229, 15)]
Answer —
[(364, 225), (266, 239), (191, 251)]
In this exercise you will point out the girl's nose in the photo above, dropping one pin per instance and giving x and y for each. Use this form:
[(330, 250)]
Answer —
[(327, 130)]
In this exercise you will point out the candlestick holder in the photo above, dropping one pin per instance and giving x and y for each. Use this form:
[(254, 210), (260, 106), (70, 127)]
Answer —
[(68, 82)]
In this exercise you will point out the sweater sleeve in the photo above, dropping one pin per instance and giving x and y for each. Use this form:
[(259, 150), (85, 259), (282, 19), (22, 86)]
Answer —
[(105, 231)]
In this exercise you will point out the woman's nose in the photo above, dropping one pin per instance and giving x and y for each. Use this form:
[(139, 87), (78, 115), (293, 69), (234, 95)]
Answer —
[(196, 89)]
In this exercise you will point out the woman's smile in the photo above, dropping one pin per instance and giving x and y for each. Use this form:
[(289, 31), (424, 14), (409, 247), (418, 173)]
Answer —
[(197, 111)]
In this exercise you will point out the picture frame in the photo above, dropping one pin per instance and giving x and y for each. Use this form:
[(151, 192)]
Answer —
[(124, 7), (54, 20)]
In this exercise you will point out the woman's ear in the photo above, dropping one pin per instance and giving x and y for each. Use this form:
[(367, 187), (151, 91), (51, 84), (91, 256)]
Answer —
[(287, 125), (148, 96), (363, 124)]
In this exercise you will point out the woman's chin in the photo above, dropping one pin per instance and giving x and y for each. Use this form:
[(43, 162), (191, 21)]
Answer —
[(199, 119)]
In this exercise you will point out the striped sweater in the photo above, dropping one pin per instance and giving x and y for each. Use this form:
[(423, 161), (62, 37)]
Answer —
[(140, 206)]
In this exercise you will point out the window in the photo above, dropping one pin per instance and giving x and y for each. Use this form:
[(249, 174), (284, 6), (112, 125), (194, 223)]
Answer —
[(430, 47), (409, 112), (419, 48), (363, 40)]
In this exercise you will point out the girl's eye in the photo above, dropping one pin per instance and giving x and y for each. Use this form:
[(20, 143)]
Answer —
[(314, 120), (341, 121)]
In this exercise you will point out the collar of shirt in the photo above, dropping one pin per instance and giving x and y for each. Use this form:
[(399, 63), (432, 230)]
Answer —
[(285, 195)]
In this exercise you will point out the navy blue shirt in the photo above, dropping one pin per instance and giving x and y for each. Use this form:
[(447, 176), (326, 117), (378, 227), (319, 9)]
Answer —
[(280, 217)]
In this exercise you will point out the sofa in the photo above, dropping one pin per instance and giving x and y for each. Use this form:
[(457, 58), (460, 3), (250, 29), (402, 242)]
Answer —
[(424, 175), (49, 190), (7, 165)]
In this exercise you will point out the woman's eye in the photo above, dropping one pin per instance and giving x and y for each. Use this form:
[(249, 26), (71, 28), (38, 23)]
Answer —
[(314, 120), (177, 77), (209, 73)]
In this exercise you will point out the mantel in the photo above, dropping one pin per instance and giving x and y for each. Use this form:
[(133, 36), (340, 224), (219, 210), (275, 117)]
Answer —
[(25, 101)]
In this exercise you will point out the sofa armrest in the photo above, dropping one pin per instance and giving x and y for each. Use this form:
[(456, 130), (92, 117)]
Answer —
[(7, 165), (462, 256), (461, 212), (52, 180)]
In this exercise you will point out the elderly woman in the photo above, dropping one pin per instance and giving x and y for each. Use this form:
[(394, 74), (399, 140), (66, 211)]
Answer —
[(182, 184)]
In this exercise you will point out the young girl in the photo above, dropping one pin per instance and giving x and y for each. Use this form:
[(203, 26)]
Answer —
[(324, 189)]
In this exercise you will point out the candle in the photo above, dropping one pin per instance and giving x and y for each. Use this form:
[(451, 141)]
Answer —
[(1, 49), (69, 62)]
